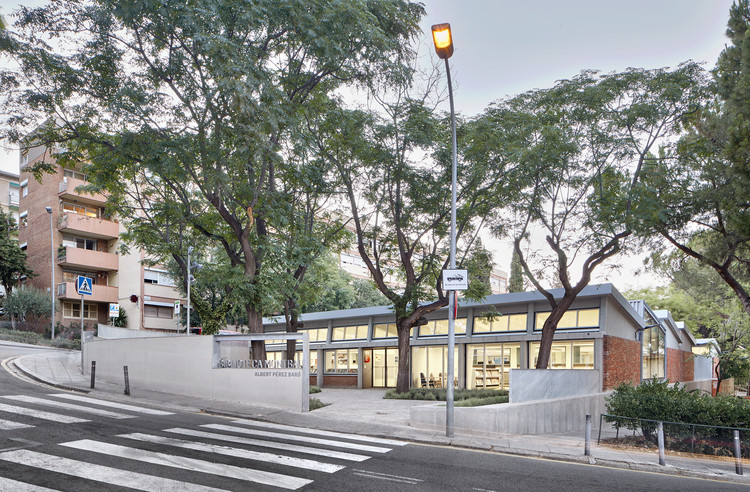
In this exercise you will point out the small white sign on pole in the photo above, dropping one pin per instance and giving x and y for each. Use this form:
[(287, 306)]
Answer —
[(176, 307), (455, 279), (114, 310)]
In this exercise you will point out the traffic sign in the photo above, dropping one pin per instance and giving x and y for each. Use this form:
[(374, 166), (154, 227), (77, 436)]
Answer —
[(114, 310), (455, 279), (84, 285), (176, 307)]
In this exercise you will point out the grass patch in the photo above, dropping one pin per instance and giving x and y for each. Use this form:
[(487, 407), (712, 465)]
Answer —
[(316, 404), (314, 389), (33, 338), (472, 398)]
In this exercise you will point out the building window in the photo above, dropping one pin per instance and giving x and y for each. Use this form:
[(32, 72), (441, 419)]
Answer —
[(572, 319), (499, 324), (73, 310), (69, 173), (440, 328), (567, 355), (341, 333), (279, 356), (79, 242), (153, 311), (72, 276), (653, 353), (384, 330), (77, 208), (25, 189), (342, 361), (430, 366), (159, 277), (489, 365), (317, 334)]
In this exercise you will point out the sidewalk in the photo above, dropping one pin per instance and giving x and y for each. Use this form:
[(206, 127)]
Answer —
[(366, 412)]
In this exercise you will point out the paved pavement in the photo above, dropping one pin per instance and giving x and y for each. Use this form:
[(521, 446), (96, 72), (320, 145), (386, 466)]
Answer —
[(366, 412)]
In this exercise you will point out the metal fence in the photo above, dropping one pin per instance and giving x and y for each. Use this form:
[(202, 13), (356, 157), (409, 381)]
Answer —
[(677, 436)]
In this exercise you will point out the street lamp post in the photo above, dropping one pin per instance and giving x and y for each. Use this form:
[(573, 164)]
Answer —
[(443, 40), (189, 281), (52, 264)]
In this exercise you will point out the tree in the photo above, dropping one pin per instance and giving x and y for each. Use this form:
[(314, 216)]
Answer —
[(28, 304), (187, 116), (515, 283), (396, 172), (582, 147), (12, 257), (698, 200)]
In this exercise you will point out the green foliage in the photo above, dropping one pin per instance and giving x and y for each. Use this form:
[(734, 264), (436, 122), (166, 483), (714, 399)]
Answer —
[(515, 283), (28, 304), (463, 398), (12, 257), (316, 404), (327, 287), (121, 321), (314, 389), (656, 400)]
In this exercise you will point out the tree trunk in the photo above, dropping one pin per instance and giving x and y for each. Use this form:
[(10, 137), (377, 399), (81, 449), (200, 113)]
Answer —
[(292, 326), (403, 328), (549, 328), (255, 324)]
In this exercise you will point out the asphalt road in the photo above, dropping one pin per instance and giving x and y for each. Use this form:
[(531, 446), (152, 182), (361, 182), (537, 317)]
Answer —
[(57, 440)]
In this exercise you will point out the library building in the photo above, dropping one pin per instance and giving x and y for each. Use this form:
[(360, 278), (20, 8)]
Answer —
[(624, 341)]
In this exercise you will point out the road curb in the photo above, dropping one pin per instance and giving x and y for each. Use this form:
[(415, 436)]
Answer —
[(32, 375)]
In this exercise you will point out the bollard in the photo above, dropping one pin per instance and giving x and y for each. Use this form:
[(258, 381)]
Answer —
[(93, 373), (127, 381), (737, 453), (660, 438), (587, 448)]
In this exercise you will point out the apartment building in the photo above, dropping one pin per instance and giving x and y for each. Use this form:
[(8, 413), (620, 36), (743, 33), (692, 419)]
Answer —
[(9, 193), (67, 233)]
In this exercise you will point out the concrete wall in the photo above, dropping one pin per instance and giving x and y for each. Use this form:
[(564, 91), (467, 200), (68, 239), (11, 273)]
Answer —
[(184, 366), (543, 384), (539, 417), (112, 332), (703, 368), (704, 386)]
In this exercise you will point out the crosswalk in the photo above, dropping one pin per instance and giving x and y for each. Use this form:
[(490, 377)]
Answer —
[(233, 455)]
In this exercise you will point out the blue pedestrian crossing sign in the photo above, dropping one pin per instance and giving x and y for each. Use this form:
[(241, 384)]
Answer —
[(84, 285)]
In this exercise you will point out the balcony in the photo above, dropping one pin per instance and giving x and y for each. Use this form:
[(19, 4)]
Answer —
[(68, 191), (89, 226), (102, 293), (87, 259)]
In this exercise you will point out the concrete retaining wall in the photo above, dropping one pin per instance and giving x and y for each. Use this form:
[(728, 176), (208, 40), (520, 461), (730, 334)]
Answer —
[(704, 386), (557, 415), (114, 332), (703, 368), (184, 366), (543, 384)]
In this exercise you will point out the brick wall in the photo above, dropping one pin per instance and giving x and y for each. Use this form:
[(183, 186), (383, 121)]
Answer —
[(332, 380), (621, 362), (679, 365)]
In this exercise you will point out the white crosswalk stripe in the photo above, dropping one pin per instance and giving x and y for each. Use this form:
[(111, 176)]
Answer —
[(237, 453), (99, 473), (10, 425), (293, 437), (67, 406), (110, 404), (39, 414), (317, 432), (16, 486), (281, 446), (192, 464)]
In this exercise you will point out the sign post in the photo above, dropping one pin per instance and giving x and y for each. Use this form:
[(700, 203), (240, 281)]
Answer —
[(84, 286), (114, 311)]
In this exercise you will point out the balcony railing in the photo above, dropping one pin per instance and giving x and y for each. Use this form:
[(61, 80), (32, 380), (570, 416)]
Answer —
[(101, 293), (68, 190), (88, 259), (90, 226)]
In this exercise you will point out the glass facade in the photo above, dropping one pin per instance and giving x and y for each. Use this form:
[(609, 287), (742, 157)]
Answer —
[(384, 367), (384, 330), (440, 327), (297, 357), (566, 355), (500, 324), (341, 333), (653, 353), (488, 365), (572, 319), (429, 366), (342, 361)]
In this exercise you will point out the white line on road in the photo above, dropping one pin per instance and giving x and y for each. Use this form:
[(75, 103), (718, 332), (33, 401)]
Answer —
[(328, 453), (317, 432), (68, 406), (110, 404), (10, 425), (39, 414), (15, 486), (99, 473), (231, 471), (292, 437), (386, 476), (237, 452)]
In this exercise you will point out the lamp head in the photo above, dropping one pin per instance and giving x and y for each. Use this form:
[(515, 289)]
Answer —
[(443, 40), (49, 210)]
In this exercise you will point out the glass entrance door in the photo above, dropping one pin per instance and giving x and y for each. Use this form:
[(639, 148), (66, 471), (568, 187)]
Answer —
[(384, 367)]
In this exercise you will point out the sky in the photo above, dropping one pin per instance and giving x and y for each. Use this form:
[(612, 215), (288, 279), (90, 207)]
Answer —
[(505, 47)]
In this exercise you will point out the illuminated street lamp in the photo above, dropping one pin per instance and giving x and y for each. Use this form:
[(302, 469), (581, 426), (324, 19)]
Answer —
[(52, 288), (443, 40)]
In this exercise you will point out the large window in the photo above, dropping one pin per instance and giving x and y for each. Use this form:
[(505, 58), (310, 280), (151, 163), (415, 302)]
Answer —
[(316, 334), (653, 353), (342, 361), (567, 355), (159, 277), (384, 330), (430, 366), (488, 365), (573, 318), (79, 242), (77, 208), (341, 333), (73, 310), (152, 311), (297, 357), (499, 324), (440, 327)]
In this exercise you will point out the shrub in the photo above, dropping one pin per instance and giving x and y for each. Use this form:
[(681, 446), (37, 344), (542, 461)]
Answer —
[(316, 404), (314, 389), (478, 396)]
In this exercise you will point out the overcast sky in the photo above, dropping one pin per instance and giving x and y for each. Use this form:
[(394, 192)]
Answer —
[(505, 47)]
